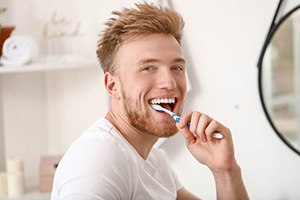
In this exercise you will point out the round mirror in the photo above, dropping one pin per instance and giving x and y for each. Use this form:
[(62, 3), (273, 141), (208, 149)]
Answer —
[(279, 78)]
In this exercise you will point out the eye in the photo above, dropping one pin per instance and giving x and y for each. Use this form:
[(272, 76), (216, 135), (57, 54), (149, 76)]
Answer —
[(177, 68), (148, 68)]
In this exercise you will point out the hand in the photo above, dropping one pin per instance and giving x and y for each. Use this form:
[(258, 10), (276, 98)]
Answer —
[(217, 154)]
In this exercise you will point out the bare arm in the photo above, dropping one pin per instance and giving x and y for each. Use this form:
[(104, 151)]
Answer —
[(216, 154), (230, 184), (184, 194)]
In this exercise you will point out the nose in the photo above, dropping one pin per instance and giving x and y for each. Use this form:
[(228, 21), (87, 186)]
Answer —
[(166, 80)]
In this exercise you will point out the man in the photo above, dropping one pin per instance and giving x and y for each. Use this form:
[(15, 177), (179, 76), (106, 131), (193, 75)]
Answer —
[(141, 56)]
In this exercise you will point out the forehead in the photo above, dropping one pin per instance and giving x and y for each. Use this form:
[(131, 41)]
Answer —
[(159, 47)]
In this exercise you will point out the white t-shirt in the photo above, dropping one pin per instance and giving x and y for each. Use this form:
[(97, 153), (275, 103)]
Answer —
[(102, 165)]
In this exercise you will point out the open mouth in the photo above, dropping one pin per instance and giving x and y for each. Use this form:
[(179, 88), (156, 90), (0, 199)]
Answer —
[(167, 103)]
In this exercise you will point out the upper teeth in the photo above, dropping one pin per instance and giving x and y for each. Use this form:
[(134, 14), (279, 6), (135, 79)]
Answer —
[(164, 100)]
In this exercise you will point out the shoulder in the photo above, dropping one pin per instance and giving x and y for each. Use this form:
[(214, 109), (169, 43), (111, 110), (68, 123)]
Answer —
[(95, 160), (96, 148)]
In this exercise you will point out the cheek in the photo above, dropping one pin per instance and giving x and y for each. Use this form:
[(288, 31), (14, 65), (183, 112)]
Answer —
[(182, 84), (139, 85), (132, 91), (184, 88)]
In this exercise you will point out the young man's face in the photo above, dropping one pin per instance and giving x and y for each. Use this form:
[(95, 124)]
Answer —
[(151, 69)]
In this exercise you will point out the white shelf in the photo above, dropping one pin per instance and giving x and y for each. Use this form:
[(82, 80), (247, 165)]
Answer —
[(44, 89), (38, 67), (29, 196)]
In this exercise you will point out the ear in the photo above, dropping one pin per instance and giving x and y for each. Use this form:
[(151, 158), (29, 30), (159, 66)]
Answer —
[(111, 85)]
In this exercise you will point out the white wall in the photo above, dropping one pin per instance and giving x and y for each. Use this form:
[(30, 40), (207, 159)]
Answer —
[(222, 42), (224, 39)]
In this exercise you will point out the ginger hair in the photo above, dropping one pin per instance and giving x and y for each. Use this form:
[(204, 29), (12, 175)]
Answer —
[(132, 23)]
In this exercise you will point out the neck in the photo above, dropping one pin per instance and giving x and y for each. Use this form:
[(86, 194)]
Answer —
[(142, 142)]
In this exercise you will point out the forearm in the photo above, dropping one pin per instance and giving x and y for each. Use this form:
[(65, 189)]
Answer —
[(230, 185)]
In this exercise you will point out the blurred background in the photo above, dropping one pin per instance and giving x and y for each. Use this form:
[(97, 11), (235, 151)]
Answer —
[(48, 102)]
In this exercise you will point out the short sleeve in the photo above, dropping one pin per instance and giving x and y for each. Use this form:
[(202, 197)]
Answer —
[(178, 183)]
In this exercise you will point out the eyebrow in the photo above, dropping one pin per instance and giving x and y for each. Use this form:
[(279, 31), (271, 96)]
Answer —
[(153, 60)]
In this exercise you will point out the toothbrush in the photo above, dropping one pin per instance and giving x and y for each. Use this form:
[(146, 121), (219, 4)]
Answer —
[(158, 108)]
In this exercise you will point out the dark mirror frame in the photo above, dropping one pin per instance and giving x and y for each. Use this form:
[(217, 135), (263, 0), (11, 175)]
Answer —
[(274, 27)]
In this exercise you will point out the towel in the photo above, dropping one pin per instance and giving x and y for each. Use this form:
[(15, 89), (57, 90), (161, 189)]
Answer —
[(18, 50)]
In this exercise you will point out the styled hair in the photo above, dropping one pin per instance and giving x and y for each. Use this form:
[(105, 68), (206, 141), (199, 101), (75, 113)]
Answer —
[(132, 23)]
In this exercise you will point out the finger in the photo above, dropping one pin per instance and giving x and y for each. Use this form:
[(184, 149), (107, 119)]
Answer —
[(213, 127), (203, 123), (187, 135), (194, 122), (185, 119)]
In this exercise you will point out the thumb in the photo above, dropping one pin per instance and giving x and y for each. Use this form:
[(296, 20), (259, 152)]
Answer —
[(187, 134)]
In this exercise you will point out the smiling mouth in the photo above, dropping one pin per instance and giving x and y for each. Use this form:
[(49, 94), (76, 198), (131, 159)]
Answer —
[(167, 103)]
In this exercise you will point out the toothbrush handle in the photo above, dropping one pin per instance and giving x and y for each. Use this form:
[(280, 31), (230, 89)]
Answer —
[(216, 135), (177, 119)]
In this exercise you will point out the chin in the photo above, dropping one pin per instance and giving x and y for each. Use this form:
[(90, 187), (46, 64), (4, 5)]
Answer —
[(154, 128), (164, 131), (167, 135)]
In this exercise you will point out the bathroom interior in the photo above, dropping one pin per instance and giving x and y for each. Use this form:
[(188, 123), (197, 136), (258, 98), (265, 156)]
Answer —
[(243, 69)]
